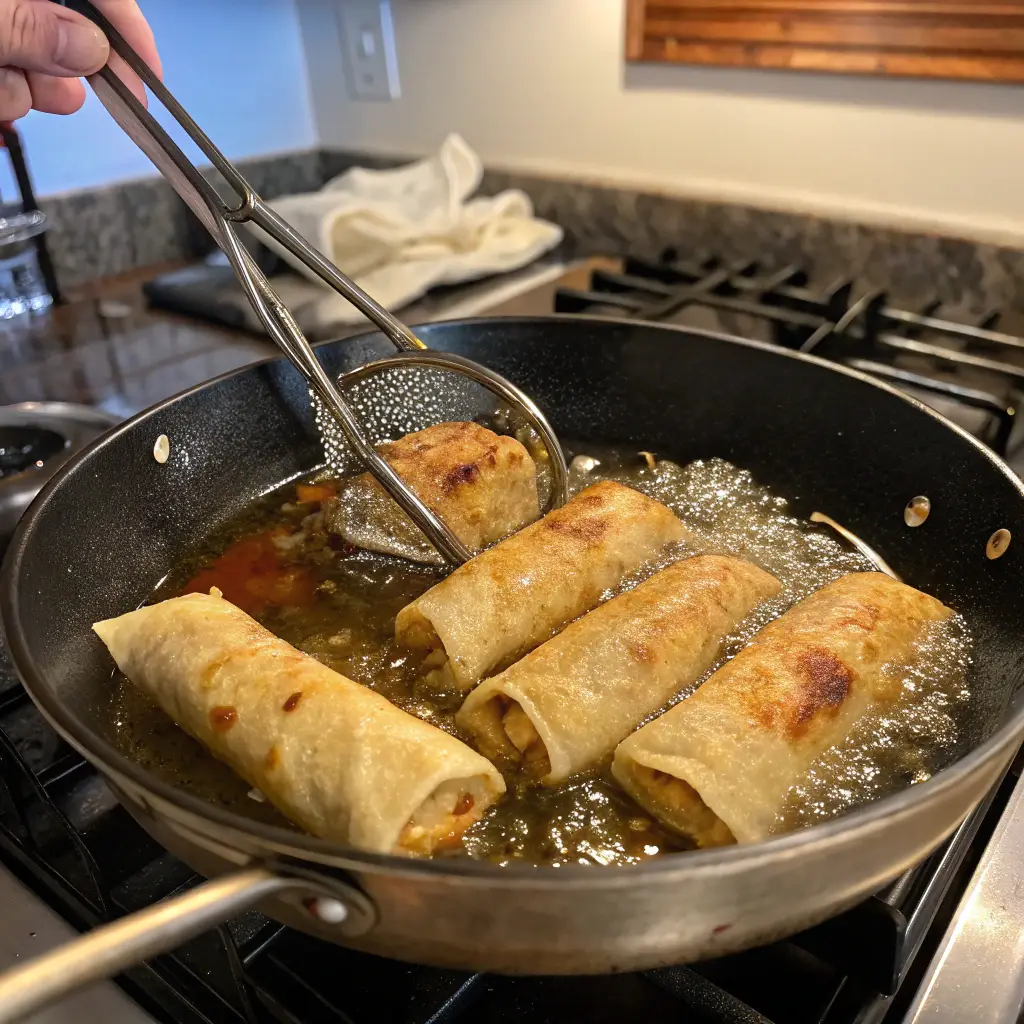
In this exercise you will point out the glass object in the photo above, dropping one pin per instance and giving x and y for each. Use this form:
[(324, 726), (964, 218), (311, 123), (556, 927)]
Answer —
[(23, 291)]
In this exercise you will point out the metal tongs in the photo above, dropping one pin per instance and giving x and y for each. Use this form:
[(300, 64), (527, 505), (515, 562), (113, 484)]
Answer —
[(220, 218)]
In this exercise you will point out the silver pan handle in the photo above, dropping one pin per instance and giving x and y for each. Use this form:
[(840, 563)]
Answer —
[(112, 948)]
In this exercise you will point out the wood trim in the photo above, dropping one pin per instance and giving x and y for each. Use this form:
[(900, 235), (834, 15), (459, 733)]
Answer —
[(930, 38), (636, 16)]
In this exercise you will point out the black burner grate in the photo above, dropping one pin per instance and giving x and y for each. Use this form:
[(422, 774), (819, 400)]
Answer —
[(63, 833), (952, 365)]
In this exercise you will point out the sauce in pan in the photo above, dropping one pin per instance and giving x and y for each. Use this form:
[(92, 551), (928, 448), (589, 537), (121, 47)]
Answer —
[(338, 604)]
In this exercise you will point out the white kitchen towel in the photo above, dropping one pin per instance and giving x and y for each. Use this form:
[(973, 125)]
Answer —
[(399, 232)]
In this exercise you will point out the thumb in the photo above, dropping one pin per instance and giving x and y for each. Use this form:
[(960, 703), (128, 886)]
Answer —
[(37, 35)]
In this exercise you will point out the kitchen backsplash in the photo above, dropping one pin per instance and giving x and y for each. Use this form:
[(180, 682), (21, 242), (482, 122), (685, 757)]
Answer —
[(118, 228)]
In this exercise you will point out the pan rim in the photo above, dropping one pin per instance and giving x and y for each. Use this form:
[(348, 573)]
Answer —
[(114, 765)]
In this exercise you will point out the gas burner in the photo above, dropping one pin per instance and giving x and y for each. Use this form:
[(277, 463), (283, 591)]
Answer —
[(21, 448), (967, 372), (36, 439)]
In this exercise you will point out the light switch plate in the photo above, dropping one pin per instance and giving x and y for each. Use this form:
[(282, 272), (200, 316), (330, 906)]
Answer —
[(368, 39)]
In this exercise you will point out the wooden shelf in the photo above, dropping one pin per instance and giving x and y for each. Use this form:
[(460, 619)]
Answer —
[(929, 38)]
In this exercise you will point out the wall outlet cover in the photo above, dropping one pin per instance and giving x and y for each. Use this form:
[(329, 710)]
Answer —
[(368, 42)]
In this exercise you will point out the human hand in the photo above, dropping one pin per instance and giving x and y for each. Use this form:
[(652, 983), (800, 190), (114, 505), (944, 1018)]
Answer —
[(46, 49)]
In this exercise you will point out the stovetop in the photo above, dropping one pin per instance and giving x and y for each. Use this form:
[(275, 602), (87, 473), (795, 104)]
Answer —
[(64, 835), (970, 368)]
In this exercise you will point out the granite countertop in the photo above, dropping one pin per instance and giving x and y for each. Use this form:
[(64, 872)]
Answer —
[(105, 348)]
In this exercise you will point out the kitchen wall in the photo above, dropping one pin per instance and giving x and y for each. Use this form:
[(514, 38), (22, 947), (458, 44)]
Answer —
[(541, 86), (236, 65)]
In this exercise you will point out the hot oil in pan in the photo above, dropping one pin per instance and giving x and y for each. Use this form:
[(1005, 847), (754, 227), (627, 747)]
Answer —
[(900, 744), (339, 605)]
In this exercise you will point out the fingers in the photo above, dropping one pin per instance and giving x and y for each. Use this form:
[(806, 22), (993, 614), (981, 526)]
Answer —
[(55, 95), (126, 17), (45, 48), (37, 35), (15, 95)]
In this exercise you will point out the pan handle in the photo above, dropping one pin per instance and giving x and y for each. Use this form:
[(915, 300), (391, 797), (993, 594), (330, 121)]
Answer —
[(112, 948)]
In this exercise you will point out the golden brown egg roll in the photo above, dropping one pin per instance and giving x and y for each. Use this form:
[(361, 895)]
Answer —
[(719, 765), (483, 485), (333, 756), (513, 596), (563, 708)]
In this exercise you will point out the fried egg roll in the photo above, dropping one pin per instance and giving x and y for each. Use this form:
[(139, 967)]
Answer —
[(333, 756), (719, 765), (483, 485), (513, 596), (563, 708)]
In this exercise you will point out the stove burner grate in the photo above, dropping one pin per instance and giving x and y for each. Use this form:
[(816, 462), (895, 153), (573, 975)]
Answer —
[(971, 366), (24, 447)]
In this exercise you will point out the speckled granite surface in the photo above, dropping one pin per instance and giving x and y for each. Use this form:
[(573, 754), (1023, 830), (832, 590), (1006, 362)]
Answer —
[(915, 268), (111, 230), (101, 232)]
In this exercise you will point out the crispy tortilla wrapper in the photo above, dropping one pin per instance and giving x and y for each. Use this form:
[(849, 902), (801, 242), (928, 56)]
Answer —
[(564, 707), (333, 756), (482, 484), (719, 765), (515, 595)]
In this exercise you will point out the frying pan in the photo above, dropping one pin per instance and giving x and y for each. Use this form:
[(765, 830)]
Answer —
[(112, 523)]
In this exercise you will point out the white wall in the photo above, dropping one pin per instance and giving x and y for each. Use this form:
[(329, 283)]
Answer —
[(541, 85), (236, 65)]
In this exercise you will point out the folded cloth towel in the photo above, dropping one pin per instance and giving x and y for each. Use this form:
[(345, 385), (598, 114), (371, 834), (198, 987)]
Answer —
[(399, 232)]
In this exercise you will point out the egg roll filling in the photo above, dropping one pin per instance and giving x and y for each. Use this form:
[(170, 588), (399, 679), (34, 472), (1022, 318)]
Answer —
[(519, 729), (523, 737), (678, 805), (436, 668), (440, 820), (506, 735)]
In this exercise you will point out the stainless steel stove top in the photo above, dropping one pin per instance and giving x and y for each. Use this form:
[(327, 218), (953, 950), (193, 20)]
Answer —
[(31, 928), (977, 973)]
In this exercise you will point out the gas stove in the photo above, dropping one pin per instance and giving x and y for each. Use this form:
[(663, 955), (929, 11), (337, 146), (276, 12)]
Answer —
[(916, 950), (967, 370)]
